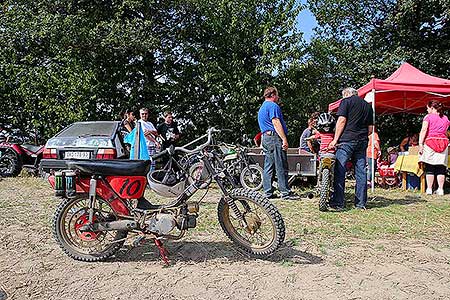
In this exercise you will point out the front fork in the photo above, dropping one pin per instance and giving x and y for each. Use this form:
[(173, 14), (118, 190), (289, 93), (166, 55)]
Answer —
[(218, 177), (326, 163)]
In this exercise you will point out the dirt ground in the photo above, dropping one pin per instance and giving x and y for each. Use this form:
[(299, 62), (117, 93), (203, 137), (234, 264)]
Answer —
[(207, 266)]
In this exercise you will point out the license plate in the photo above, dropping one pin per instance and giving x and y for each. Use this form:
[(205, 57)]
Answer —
[(77, 155)]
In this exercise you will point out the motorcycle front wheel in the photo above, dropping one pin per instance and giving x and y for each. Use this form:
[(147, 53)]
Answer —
[(70, 215), (324, 190), (262, 231), (252, 177)]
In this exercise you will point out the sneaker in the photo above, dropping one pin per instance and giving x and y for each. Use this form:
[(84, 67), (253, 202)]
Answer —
[(440, 192), (361, 207), (429, 191), (273, 196), (290, 196), (336, 208)]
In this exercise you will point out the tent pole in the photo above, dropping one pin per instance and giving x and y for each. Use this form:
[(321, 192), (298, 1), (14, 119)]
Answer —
[(373, 145)]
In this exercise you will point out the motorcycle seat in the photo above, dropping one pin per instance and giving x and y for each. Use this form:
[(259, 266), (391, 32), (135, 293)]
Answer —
[(110, 167), (31, 148)]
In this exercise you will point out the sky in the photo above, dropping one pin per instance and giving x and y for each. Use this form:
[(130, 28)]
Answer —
[(306, 22)]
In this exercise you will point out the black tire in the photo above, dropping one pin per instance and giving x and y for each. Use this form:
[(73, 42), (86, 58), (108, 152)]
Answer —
[(10, 165), (324, 190), (252, 177), (67, 236), (273, 220)]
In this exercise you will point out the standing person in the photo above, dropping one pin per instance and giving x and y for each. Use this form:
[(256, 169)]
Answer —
[(128, 121), (305, 143), (372, 157), (433, 146), (274, 144), (168, 130), (354, 124), (150, 133)]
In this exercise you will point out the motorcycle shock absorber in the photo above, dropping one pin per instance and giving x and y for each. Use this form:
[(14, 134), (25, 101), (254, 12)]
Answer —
[(92, 194)]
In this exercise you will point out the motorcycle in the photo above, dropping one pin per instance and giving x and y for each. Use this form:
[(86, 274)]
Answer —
[(250, 176), (103, 201), (325, 179), (16, 154)]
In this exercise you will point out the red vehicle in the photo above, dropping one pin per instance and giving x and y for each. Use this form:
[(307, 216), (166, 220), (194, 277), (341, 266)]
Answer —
[(15, 154), (103, 200)]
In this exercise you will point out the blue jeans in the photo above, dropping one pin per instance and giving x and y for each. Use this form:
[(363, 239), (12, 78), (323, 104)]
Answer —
[(356, 151), (274, 158)]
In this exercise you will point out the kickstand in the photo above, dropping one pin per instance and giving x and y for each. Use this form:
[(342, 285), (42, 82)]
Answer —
[(162, 251)]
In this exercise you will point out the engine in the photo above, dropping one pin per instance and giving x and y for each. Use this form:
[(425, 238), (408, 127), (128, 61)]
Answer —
[(161, 223)]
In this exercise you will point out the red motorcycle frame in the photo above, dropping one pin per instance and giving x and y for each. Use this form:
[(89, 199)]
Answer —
[(113, 188)]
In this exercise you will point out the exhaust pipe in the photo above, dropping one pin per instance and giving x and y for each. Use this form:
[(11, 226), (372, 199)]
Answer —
[(109, 226)]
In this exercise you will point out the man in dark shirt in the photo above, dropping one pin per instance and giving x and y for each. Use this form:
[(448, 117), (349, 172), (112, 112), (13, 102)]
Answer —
[(168, 130), (354, 125)]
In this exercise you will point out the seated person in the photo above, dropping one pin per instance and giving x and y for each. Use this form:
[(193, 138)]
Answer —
[(305, 143), (411, 140), (392, 156)]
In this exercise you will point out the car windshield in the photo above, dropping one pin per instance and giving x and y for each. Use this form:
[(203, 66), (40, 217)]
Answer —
[(105, 129), (95, 135)]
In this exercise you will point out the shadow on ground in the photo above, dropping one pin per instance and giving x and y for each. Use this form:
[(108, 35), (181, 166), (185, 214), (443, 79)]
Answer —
[(191, 251), (380, 201)]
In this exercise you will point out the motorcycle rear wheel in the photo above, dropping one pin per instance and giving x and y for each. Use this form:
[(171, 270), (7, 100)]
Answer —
[(85, 246), (324, 190), (252, 177), (264, 231)]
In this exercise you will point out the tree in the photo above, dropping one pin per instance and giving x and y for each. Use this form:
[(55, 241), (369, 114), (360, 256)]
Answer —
[(357, 40), (66, 61)]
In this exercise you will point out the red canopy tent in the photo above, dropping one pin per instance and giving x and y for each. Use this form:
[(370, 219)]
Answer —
[(406, 90)]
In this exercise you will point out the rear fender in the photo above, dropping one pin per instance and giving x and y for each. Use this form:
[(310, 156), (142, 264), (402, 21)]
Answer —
[(16, 149)]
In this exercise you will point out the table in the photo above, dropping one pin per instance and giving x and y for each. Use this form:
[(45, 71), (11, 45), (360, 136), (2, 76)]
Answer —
[(410, 164)]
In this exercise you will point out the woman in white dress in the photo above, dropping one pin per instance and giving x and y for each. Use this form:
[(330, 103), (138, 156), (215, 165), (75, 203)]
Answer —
[(433, 146)]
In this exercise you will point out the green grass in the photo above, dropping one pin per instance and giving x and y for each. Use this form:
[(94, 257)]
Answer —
[(391, 214)]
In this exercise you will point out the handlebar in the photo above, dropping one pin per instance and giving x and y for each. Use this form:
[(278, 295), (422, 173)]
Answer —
[(183, 149)]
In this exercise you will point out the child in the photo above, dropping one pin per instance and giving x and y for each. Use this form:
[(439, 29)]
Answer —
[(325, 128)]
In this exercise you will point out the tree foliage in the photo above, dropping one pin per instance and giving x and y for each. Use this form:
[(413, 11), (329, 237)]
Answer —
[(357, 40), (207, 61), (65, 61)]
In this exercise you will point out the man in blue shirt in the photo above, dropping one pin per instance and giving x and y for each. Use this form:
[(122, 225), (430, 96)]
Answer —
[(274, 144)]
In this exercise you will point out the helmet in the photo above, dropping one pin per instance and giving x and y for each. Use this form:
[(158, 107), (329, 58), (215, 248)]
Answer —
[(326, 122), (166, 183)]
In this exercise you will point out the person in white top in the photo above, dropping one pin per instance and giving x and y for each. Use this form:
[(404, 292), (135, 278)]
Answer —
[(150, 133)]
